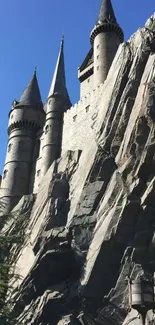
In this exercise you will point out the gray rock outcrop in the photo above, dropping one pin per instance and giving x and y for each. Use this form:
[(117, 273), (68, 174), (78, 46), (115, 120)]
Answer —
[(92, 224)]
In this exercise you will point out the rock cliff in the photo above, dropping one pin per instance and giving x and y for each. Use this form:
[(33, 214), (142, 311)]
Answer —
[(92, 223)]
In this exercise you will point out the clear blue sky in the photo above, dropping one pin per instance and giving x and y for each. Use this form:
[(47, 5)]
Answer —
[(30, 33)]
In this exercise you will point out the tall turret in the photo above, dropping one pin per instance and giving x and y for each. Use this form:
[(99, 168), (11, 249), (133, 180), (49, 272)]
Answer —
[(26, 118), (57, 103), (105, 39)]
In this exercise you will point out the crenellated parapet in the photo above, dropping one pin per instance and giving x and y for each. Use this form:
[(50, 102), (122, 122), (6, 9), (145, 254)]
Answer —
[(79, 121)]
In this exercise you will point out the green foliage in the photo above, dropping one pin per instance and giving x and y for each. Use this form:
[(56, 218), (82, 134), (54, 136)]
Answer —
[(12, 238)]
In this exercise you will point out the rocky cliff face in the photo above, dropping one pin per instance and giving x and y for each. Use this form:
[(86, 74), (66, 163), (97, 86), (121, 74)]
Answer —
[(92, 224)]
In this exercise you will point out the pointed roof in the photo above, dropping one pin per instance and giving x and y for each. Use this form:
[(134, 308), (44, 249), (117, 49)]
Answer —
[(31, 94), (106, 22), (106, 13), (89, 59), (58, 86)]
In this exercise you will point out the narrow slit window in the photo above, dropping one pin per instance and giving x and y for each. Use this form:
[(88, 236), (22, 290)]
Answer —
[(9, 147), (38, 172), (21, 146), (5, 173), (87, 108), (17, 169), (46, 129)]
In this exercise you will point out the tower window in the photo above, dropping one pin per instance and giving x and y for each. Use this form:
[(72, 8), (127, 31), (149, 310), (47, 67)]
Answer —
[(5, 173), (88, 80), (9, 147), (21, 146), (87, 108), (38, 172), (11, 116), (98, 46), (46, 129), (98, 67), (98, 57), (17, 169), (74, 118)]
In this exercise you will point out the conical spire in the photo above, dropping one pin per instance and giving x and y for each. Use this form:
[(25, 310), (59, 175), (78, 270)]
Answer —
[(31, 95), (58, 86), (106, 13), (106, 22)]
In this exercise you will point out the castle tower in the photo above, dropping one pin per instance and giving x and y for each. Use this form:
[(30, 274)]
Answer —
[(26, 118), (105, 39), (57, 103)]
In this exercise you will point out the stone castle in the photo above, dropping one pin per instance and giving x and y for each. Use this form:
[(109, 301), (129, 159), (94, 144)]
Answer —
[(39, 134), (82, 237)]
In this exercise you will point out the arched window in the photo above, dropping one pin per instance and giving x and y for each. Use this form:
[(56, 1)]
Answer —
[(17, 181), (17, 169), (5, 173), (46, 129), (38, 172), (87, 108), (21, 145), (9, 147)]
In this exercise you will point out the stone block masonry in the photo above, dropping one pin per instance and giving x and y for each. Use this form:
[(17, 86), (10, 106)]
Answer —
[(79, 121), (77, 129)]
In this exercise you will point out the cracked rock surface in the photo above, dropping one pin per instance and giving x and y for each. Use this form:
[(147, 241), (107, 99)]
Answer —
[(94, 228)]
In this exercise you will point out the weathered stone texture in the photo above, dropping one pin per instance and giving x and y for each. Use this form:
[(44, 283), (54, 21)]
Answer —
[(105, 48), (79, 121), (82, 248), (86, 86)]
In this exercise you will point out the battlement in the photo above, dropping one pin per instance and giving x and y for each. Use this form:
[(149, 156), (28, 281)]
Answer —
[(79, 120), (85, 101)]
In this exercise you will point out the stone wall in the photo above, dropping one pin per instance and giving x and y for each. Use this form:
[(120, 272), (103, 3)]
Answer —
[(79, 120), (76, 273), (86, 86), (77, 129), (38, 172)]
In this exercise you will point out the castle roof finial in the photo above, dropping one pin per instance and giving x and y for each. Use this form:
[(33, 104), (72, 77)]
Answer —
[(35, 69), (31, 94), (62, 40), (58, 86)]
